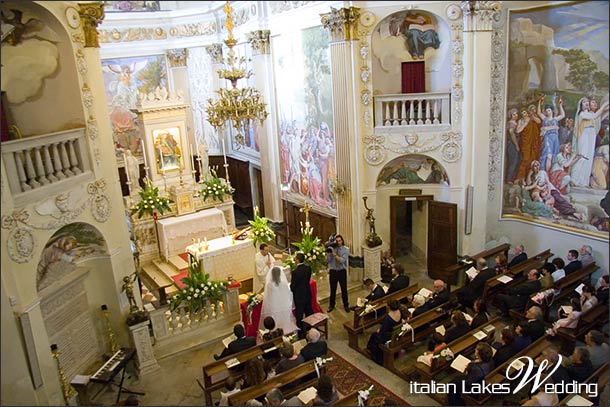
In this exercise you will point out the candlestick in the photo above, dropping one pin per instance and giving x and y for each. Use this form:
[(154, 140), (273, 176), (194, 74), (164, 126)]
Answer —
[(125, 166), (224, 152), (160, 158), (143, 153), (192, 157)]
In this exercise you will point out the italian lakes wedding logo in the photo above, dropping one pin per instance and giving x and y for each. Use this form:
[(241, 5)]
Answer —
[(521, 368)]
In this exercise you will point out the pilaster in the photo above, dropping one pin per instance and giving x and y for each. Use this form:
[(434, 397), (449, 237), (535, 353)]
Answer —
[(372, 262), (91, 15), (270, 165), (478, 19), (145, 357), (342, 26)]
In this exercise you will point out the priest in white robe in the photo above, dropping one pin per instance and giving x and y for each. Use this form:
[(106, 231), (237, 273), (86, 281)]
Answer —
[(264, 262)]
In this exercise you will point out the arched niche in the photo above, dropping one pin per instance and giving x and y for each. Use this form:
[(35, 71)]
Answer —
[(390, 47), (38, 71), (412, 169), (74, 277)]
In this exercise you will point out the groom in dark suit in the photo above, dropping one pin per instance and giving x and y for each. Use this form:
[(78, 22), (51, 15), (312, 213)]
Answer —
[(299, 285)]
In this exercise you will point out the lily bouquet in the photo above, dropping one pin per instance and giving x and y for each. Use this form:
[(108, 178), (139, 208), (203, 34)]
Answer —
[(363, 395), (215, 187), (261, 232), (252, 302), (313, 249), (150, 202)]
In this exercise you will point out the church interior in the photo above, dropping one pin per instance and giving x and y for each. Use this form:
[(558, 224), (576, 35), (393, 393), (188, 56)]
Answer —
[(419, 188)]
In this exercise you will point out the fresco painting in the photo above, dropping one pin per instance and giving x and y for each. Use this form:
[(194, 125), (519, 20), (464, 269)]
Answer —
[(307, 141), (556, 142), (412, 169), (124, 80)]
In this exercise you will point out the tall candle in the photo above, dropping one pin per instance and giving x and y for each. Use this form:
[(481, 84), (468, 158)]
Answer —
[(143, 153), (192, 158), (224, 152), (126, 167)]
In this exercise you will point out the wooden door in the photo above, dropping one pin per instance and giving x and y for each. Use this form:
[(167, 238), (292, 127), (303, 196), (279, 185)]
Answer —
[(442, 237)]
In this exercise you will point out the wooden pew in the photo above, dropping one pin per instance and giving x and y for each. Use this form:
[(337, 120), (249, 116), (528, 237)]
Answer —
[(359, 323), (498, 374), (462, 345), (518, 273), (281, 380), (423, 325), (594, 318), (350, 399), (601, 376), (451, 273), (216, 372)]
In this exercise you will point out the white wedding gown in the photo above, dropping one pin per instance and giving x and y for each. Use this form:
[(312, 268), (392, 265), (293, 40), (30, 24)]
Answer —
[(277, 303)]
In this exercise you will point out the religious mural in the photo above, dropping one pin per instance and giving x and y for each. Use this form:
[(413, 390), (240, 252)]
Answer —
[(69, 246), (412, 169), (556, 154), (124, 5), (124, 80), (304, 94)]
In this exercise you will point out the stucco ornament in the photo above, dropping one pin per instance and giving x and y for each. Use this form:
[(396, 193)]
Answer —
[(364, 51), (498, 72), (374, 153), (20, 242), (365, 97), (365, 74), (100, 203)]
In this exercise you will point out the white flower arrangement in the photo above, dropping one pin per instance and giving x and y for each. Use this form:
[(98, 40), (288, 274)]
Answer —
[(323, 361), (363, 395), (447, 353), (367, 309)]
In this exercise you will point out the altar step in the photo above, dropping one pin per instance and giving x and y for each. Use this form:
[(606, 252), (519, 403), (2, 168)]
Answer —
[(154, 278), (178, 262)]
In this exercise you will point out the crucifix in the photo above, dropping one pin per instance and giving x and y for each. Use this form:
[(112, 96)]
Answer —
[(306, 208)]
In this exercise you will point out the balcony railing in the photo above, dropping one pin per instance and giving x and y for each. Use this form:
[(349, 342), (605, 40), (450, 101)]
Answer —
[(181, 329), (415, 111), (33, 164)]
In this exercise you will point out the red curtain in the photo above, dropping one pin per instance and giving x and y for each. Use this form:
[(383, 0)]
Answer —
[(413, 77)]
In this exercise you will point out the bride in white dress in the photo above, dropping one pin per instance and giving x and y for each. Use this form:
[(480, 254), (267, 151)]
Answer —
[(277, 302)]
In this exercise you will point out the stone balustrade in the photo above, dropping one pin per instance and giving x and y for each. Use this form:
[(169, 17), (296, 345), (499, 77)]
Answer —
[(417, 111)]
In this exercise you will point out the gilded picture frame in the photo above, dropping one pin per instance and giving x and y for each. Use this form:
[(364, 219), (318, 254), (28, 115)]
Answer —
[(168, 149)]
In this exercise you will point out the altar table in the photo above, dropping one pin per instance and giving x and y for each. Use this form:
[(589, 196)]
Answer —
[(252, 325), (224, 258), (178, 231)]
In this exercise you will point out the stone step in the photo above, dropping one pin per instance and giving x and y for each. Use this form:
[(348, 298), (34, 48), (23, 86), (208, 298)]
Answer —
[(167, 268), (153, 278), (178, 262)]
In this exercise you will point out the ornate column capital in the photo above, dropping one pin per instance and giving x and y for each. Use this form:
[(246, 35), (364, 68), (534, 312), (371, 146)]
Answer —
[(91, 15), (215, 51), (342, 23), (177, 57), (259, 40), (480, 15)]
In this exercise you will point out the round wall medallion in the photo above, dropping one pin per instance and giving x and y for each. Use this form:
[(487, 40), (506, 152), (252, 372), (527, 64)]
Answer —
[(453, 12), (73, 17), (367, 19)]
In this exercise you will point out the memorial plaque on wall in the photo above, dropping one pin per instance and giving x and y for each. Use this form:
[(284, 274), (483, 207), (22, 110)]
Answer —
[(69, 325)]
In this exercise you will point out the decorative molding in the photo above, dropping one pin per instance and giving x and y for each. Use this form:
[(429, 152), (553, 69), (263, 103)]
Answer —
[(132, 34), (160, 99), (365, 74), (81, 64), (259, 40), (341, 23), (479, 15), (63, 208), (215, 52), (91, 15), (192, 30), (177, 57), (374, 153), (92, 130), (276, 7), (497, 95), (413, 143), (87, 96)]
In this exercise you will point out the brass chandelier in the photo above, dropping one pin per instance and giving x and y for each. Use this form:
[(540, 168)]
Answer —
[(239, 106)]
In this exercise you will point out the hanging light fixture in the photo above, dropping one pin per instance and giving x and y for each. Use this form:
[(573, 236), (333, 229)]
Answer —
[(238, 106)]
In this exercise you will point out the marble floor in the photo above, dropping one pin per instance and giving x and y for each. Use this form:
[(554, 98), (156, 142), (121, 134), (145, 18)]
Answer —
[(176, 385)]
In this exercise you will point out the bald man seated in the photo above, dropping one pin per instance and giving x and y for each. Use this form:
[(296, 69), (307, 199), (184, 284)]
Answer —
[(439, 297)]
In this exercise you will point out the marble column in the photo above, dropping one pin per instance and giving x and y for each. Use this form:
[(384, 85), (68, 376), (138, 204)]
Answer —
[(372, 262), (145, 357), (269, 150), (341, 24), (478, 18)]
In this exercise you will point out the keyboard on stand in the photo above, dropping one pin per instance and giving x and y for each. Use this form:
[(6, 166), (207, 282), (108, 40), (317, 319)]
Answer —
[(113, 366)]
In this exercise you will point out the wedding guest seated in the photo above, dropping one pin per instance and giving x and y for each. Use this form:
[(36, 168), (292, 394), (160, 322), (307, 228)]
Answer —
[(501, 264), (391, 319), (289, 359), (559, 272), (232, 387), (418, 305), (272, 331), (458, 328), (242, 342), (587, 298), (436, 343), (598, 349), (586, 255), (315, 347), (573, 263), (505, 348), (559, 373), (327, 393), (581, 367), (522, 338), (480, 314), (275, 397), (571, 321), (535, 324), (603, 290), (468, 295), (399, 279), (517, 297), (475, 372), (520, 256), (254, 373), (375, 291), (439, 297), (546, 277)]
